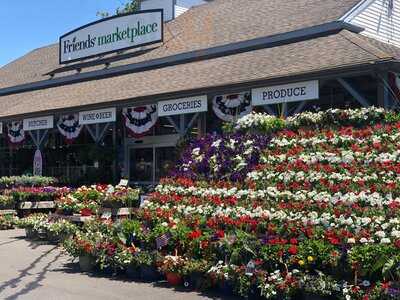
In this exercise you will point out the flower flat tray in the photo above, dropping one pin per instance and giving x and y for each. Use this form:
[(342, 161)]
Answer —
[(37, 205), (73, 218), (124, 211), (8, 212)]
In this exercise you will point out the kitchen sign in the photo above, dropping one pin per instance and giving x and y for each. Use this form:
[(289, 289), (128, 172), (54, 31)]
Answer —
[(293, 92), (38, 123), (182, 106), (97, 116), (111, 35)]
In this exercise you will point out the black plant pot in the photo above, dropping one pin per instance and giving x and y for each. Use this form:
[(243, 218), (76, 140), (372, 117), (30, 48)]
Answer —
[(149, 273), (133, 272), (226, 287), (308, 296)]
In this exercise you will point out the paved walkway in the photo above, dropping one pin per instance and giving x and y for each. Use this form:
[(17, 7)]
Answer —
[(30, 270)]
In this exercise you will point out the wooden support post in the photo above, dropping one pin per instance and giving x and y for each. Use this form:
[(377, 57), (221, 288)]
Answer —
[(357, 96), (384, 95)]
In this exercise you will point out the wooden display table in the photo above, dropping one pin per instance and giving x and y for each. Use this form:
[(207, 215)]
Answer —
[(73, 218), (7, 212)]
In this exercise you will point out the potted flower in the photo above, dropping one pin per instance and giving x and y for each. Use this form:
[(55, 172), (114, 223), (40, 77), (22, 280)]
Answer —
[(60, 230), (172, 266), (82, 248), (194, 271), (148, 270), (221, 274)]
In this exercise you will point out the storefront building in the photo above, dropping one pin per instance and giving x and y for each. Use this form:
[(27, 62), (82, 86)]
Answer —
[(118, 97)]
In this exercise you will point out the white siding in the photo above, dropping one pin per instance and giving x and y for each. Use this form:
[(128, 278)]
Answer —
[(378, 20), (179, 10)]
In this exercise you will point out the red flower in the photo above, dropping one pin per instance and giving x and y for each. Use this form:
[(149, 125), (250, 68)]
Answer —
[(293, 250), (195, 234), (293, 241), (220, 234), (86, 212), (397, 243)]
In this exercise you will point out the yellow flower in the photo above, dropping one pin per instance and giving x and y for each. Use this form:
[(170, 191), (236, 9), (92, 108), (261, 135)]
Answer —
[(301, 262), (310, 259)]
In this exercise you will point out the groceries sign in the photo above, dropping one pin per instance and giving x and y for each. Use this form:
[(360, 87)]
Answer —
[(112, 34), (182, 106), (299, 91)]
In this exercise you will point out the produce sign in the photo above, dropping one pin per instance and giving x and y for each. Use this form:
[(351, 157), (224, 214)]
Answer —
[(112, 34)]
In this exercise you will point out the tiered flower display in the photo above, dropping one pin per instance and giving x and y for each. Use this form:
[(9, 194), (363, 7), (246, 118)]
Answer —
[(88, 200), (281, 209)]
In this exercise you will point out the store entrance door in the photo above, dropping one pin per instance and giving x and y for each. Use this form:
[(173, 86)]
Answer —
[(148, 163)]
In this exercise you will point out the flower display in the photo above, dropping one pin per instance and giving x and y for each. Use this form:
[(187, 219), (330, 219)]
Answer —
[(310, 207)]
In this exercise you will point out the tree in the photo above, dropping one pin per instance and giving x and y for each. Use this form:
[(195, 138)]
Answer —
[(128, 7)]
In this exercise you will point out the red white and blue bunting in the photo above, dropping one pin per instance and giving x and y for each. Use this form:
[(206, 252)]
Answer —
[(68, 126), (231, 107), (16, 134), (140, 120)]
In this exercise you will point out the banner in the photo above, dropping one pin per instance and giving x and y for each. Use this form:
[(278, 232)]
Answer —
[(140, 120), (69, 127), (16, 134), (231, 107)]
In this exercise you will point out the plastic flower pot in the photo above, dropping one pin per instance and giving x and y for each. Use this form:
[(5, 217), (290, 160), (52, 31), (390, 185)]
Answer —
[(53, 237), (308, 296), (29, 233), (226, 287), (149, 273), (174, 279), (42, 234), (86, 263), (133, 272), (195, 281)]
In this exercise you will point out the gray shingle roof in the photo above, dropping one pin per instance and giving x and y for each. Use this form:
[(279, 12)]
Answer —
[(334, 51), (216, 23)]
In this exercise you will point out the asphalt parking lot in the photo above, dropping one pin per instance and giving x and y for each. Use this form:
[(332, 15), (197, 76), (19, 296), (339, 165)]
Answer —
[(31, 270)]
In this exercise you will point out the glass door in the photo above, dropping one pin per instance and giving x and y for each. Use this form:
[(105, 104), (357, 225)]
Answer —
[(141, 165), (147, 165)]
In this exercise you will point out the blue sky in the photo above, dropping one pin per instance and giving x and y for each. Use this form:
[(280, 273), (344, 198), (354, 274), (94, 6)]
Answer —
[(29, 24)]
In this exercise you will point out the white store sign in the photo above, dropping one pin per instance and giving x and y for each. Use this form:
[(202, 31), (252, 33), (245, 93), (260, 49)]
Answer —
[(293, 92), (112, 34), (38, 123), (182, 106), (97, 116)]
